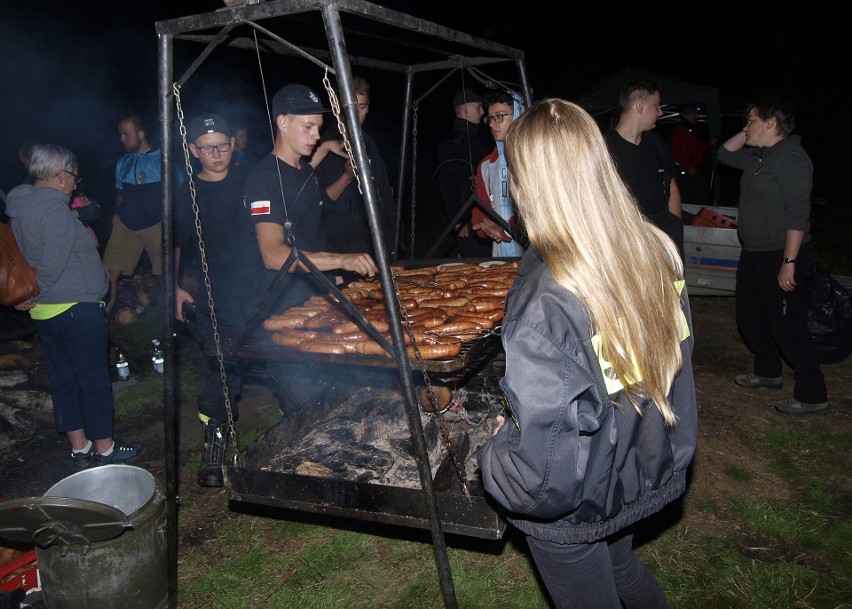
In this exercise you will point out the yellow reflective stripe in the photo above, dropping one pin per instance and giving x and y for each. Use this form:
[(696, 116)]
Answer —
[(611, 381), (684, 325), (47, 311)]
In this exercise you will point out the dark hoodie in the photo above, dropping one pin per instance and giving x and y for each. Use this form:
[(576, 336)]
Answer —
[(64, 254)]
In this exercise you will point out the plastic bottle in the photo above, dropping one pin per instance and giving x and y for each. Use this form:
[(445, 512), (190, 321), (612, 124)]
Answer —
[(122, 369), (156, 356)]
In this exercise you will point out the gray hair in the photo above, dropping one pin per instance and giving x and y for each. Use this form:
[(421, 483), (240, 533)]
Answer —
[(47, 160)]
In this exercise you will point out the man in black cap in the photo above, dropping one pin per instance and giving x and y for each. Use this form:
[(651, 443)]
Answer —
[(458, 156), (285, 202), (282, 190), (234, 269)]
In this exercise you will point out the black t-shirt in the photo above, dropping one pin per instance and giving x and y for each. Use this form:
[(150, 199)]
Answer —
[(304, 202), (345, 219), (234, 264), (647, 169)]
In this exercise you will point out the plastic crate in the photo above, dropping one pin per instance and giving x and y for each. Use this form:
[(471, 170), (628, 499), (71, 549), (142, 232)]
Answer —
[(713, 219)]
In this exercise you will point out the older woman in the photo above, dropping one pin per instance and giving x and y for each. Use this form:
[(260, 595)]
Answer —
[(68, 314), (598, 378)]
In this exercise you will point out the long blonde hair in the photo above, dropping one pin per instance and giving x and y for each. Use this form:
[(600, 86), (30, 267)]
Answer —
[(590, 233)]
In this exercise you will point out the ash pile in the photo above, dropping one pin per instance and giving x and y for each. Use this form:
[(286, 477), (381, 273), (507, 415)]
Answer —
[(366, 438)]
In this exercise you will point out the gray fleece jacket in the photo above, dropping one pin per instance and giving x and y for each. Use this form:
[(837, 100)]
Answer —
[(775, 193), (64, 254)]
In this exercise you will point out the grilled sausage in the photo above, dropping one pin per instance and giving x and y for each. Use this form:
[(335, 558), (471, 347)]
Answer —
[(291, 338)]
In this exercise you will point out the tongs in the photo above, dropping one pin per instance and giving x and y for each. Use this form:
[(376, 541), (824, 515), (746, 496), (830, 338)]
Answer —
[(480, 333), (417, 284)]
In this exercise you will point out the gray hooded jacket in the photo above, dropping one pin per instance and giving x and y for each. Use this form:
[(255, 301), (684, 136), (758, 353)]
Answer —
[(64, 254)]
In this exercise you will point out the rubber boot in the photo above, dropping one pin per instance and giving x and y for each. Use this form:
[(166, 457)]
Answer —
[(210, 473)]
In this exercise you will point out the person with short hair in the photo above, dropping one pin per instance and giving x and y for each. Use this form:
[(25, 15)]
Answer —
[(68, 313), (644, 160), (241, 156), (601, 421), (458, 157), (234, 271), (492, 177), (285, 199), (777, 254), (137, 223), (345, 217)]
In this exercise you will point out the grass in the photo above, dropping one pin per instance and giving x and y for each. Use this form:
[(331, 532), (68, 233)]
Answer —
[(764, 553), (773, 538)]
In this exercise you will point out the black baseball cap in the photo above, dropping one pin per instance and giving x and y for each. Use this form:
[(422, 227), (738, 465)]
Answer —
[(207, 123), (466, 96), (296, 99)]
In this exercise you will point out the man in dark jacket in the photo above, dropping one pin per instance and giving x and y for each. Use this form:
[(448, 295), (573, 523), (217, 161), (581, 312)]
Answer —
[(458, 157)]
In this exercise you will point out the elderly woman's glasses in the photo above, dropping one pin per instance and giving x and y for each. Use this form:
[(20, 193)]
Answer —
[(77, 179)]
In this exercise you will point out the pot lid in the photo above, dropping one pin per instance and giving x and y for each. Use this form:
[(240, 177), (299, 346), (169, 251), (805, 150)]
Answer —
[(61, 521)]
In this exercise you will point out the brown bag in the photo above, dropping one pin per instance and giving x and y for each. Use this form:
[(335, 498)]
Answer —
[(17, 278)]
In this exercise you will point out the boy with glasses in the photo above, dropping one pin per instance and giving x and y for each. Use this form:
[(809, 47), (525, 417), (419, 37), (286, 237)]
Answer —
[(492, 177), (233, 268)]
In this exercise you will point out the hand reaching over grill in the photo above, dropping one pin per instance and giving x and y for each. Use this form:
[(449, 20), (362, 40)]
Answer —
[(363, 264)]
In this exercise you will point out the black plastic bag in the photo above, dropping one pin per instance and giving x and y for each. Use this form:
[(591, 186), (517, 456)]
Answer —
[(829, 317)]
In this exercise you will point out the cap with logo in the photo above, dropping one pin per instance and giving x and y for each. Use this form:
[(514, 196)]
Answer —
[(208, 123), (297, 99)]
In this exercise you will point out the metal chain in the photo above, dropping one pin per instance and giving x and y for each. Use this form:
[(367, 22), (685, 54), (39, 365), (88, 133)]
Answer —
[(413, 174), (445, 434), (204, 268), (430, 391), (341, 126)]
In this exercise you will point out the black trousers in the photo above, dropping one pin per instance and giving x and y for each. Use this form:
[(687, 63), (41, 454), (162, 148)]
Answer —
[(773, 322), (211, 397)]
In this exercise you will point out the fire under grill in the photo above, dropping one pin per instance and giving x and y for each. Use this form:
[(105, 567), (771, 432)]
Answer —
[(346, 448)]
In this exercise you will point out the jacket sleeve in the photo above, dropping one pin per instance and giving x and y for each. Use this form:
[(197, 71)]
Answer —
[(737, 159), (795, 179), (476, 214), (535, 464)]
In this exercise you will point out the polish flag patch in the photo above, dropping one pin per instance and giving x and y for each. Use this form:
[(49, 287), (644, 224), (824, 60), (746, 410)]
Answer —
[(260, 208)]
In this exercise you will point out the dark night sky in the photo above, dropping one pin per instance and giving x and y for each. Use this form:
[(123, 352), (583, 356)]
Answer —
[(71, 69)]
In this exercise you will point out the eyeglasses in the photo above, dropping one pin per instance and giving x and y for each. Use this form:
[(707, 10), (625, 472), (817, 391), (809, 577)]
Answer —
[(77, 179), (496, 118), (208, 150)]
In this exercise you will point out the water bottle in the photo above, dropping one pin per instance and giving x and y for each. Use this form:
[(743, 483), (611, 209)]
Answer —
[(156, 356), (121, 367)]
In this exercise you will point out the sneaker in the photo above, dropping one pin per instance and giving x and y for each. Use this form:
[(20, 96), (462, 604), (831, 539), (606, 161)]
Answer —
[(83, 460), (752, 381), (121, 453), (795, 407)]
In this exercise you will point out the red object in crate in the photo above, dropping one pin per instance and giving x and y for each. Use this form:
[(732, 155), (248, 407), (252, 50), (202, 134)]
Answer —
[(27, 579), (709, 218)]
